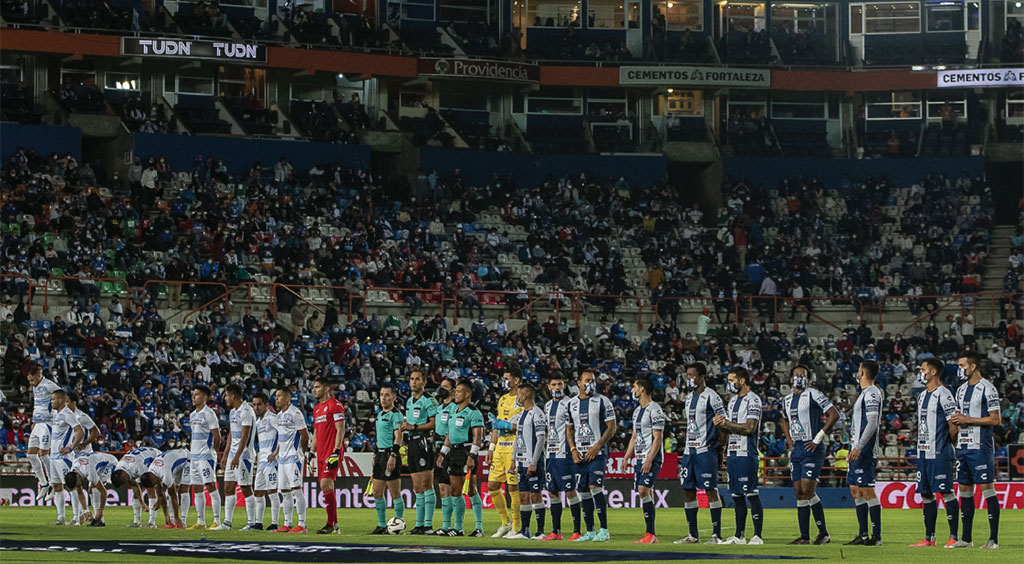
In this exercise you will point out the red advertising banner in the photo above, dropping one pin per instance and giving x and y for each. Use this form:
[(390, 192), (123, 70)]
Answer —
[(903, 495)]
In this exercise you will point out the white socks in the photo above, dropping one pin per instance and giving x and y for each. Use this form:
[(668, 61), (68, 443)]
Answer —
[(229, 508), (260, 509), (185, 500), (287, 506), (300, 506), (215, 503), (37, 468), (151, 502), (275, 507), (61, 504), (250, 510), (136, 510), (94, 496), (201, 508), (76, 505)]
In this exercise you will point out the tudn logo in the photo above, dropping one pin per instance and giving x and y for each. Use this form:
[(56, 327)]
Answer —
[(442, 66)]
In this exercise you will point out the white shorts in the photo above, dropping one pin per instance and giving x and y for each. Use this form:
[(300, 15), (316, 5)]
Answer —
[(289, 476), (266, 477), (241, 475), (60, 467), (40, 437), (201, 472)]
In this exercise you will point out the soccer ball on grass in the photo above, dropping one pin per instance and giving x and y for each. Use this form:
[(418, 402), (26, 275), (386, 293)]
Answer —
[(396, 525)]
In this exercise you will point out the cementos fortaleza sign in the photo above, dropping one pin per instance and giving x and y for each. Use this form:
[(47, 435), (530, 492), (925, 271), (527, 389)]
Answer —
[(693, 76), (194, 49), (980, 77), (453, 67)]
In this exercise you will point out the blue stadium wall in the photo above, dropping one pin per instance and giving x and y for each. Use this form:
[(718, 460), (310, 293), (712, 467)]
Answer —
[(45, 139), (770, 171)]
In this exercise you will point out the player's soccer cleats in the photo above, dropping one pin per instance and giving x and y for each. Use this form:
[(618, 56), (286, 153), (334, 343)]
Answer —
[(960, 544), (551, 537), (50, 494), (58, 522), (196, 526), (735, 540), (455, 533), (272, 527), (502, 531), (991, 545), (44, 491), (133, 525), (379, 531), (801, 540), (602, 535), (873, 542), (687, 540), (417, 530), (822, 539), (169, 526), (221, 527), (96, 523), (149, 525), (283, 529), (714, 540), (257, 527), (588, 536), (327, 530), (441, 532), (575, 536), (516, 536), (478, 533), (648, 538), (922, 544), (300, 529), (755, 540), (857, 541)]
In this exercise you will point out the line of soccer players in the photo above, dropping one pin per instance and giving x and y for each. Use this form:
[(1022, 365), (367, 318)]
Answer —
[(561, 447)]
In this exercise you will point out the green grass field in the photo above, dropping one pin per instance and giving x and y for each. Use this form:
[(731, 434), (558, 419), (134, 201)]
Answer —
[(900, 527)]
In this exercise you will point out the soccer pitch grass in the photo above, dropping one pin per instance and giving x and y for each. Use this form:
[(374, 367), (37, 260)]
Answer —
[(900, 528)]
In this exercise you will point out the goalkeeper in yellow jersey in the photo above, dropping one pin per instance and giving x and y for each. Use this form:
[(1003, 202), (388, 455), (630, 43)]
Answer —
[(499, 457)]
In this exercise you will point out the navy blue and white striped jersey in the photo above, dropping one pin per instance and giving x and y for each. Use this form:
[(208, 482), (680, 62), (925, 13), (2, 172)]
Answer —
[(933, 412), (289, 423), (804, 412), (556, 413), (867, 419), (242, 416), (41, 392), (590, 417), (646, 420), (701, 410), (169, 466), (266, 433), (742, 409), (977, 400), (62, 425), (531, 432), (202, 422)]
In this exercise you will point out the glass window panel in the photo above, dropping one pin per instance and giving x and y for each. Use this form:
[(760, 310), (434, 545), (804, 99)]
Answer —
[(900, 17), (857, 19), (681, 15), (935, 107), (894, 105), (606, 14), (744, 17), (552, 13), (946, 16), (195, 85), (804, 18)]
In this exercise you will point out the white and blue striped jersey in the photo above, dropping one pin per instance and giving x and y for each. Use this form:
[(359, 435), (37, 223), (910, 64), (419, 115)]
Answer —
[(867, 419), (589, 418), (977, 400), (266, 432), (169, 466), (41, 392), (933, 412), (289, 423), (87, 425), (742, 409), (242, 416), (95, 467), (556, 413), (136, 462), (700, 413), (62, 429), (202, 422), (804, 412), (646, 420), (531, 431)]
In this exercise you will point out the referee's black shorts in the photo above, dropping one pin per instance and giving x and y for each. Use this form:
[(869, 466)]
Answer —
[(421, 454), (455, 461), (380, 465), (440, 472)]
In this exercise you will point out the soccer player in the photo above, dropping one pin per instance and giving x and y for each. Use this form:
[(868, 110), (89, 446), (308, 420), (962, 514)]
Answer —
[(66, 435), (860, 475), (558, 466), (460, 450), (591, 425), (237, 464), (202, 456), (499, 455), (444, 411), (132, 465), (265, 483), (804, 432), (92, 432), (977, 402), (531, 432), (699, 465), (645, 444), (935, 453), (329, 437), (162, 480), (91, 472), (742, 421), (420, 412), (387, 459), (293, 442), (39, 440)]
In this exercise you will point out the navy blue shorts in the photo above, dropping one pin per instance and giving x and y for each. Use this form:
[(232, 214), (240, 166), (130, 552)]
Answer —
[(861, 472), (699, 471), (975, 466), (591, 474), (646, 479), (935, 475), (560, 474), (742, 474), (804, 465), (533, 483)]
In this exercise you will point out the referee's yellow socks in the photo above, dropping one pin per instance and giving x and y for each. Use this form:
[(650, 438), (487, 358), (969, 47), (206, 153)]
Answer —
[(517, 520), (498, 498)]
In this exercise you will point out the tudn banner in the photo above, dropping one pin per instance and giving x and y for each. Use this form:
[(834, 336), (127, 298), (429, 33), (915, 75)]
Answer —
[(693, 76), (980, 77), (478, 68), (194, 49)]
